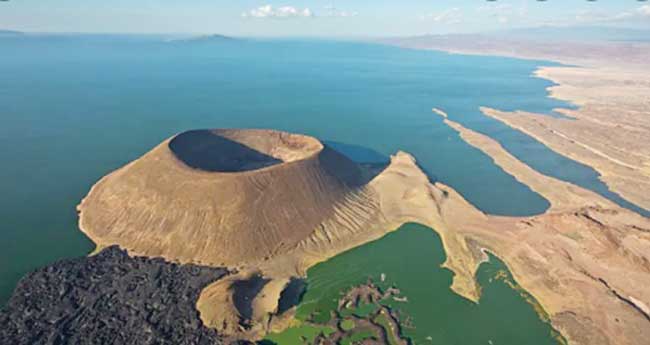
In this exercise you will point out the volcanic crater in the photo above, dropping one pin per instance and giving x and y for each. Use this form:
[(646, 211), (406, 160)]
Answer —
[(227, 150), (221, 196)]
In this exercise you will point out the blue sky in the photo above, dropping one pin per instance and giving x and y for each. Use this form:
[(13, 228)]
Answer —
[(314, 17)]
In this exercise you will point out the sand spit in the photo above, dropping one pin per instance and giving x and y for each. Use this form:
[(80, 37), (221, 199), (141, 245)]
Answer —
[(609, 132), (274, 219), (608, 80), (583, 256)]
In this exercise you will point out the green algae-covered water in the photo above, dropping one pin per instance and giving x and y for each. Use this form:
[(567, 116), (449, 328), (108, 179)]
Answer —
[(438, 316)]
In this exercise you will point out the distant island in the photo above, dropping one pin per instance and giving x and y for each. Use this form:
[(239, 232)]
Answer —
[(11, 33), (207, 38)]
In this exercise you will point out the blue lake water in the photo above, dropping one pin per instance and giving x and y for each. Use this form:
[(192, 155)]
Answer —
[(76, 107)]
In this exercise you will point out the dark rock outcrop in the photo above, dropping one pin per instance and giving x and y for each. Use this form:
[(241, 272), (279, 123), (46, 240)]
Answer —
[(110, 298)]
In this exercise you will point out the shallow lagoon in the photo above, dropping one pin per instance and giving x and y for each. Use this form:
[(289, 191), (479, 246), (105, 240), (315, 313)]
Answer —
[(438, 316)]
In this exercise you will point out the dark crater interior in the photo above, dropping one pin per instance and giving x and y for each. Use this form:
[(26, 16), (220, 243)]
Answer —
[(208, 150), (109, 298)]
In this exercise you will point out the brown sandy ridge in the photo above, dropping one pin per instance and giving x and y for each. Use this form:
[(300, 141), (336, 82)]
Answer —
[(585, 255), (608, 80)]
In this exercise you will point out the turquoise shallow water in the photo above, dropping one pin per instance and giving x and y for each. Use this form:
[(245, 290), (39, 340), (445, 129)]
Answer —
[(76, 107)]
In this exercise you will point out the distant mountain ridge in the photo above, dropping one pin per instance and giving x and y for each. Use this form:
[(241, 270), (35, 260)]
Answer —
[(581, 33), (207, 38), (10, 33)]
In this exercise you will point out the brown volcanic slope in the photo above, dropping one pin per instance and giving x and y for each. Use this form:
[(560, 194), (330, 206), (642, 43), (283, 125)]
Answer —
[(221, 197)]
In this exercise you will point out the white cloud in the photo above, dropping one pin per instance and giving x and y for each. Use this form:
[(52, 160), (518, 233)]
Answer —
[(640, 13), (285, 12), (282, 12), (594, 16), (494, 7), (449, 16), (331, 11), (644, 10), (503, 13)]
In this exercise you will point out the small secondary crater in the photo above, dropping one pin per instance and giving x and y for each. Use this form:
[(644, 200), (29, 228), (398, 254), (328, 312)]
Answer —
[(244, 291)]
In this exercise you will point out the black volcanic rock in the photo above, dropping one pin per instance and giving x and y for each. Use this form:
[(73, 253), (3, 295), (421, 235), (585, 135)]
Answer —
[(110, 298)]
